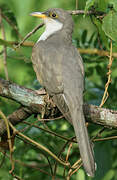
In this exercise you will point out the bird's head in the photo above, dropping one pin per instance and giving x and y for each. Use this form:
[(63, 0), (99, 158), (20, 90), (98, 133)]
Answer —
[(56, 19)]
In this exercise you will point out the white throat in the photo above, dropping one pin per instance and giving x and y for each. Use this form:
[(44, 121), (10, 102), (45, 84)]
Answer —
[(51, 27)]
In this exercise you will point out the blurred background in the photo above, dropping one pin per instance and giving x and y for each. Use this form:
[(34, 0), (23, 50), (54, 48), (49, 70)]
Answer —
[(88, 34)]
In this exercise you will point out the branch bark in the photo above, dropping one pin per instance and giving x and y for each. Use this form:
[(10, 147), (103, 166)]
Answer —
[(33, 103), (91, 12), (24, 96)]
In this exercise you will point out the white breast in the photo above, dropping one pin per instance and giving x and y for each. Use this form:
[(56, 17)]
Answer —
[(51, 27)]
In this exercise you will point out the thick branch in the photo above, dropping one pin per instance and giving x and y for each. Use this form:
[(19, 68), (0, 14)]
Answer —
[(35, 103), (24, 96), (15, 118), (102, 116)]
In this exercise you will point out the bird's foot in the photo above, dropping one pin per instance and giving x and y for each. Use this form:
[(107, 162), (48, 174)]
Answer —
[(50, 101)]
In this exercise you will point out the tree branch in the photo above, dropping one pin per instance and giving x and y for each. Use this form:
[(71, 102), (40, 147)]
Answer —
[(34, 103), (15, 118), (24, 96), (91, 12), (31, 44)]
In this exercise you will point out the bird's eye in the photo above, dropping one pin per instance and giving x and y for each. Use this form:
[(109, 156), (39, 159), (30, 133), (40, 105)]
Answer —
[(53, 15)]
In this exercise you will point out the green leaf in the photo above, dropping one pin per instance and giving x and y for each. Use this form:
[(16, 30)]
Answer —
[(101, 32), (6, 11), (89, 3), (80, 174), (114, 3), (109, 175), (101, 5), (109, 25)]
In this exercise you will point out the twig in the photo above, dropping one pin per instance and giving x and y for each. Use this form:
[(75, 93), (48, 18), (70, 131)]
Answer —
[(75, 166), (76, 4), (3, 159), (51, 119), (68, 152), (78, 12), (71, 12), (105, 96), (67, 156), (32, 166), (49, 131), (9, 139), (105, 139), (46, 156), (12, 25), (39, 146), (6, 155), (82, 51), (4, 47), (50, 166), (16, 177), (71, 173), (27, 165), (15, 43), (30, 33), (96, 51), (100, 131), (62, 149)]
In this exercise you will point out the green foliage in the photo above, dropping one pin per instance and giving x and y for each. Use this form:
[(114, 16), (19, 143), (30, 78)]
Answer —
[(114, 3), (101, 32), (90, 32), (89, 4), (101, 5), (109, 25)]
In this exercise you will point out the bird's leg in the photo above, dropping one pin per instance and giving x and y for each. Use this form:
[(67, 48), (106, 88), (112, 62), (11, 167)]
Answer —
[(42, 91), (48, 104), (43, 113)]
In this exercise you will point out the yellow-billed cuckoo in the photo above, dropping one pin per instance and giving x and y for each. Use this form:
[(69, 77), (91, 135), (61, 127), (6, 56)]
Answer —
[(59, 69)]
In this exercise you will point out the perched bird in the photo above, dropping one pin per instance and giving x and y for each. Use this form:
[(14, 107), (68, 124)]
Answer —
[(59, 69)]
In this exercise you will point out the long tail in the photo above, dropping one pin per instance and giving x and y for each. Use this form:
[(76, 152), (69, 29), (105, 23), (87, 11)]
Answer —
[(85, 148), (78, 121)]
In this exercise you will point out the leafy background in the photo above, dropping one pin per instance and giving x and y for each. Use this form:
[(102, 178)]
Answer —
[(89, 32)]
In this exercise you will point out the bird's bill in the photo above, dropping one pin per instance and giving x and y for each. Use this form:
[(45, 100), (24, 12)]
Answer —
[(38, 14)]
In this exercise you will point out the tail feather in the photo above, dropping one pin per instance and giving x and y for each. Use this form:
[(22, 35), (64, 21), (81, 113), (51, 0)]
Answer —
[(85, 147), (76, 117)]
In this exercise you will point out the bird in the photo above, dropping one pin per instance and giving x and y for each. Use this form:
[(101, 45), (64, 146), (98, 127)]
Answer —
[(59, 69)]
